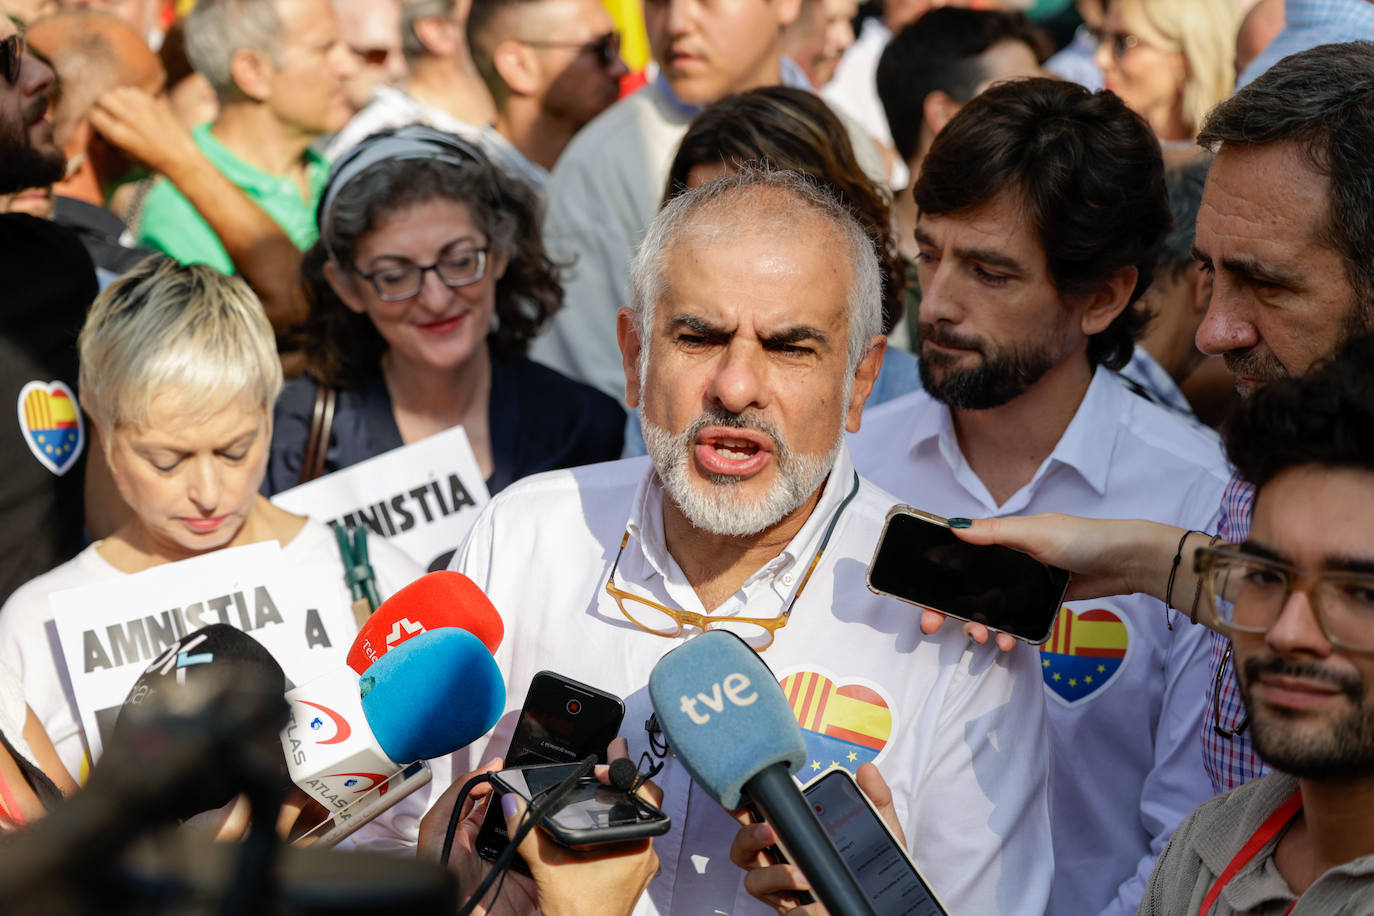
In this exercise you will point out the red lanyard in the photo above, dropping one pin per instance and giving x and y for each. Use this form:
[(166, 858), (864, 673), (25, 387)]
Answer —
[(1258, 840), (10, 808)]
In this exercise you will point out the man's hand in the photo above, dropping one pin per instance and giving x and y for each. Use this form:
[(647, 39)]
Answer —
[(779, 885), (144, 127), (566, 882), (1105, 557)]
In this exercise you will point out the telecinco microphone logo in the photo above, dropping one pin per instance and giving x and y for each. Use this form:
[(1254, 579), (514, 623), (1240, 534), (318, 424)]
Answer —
[(402, 630)]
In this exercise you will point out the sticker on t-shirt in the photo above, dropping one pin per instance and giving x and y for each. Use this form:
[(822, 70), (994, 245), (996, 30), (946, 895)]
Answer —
[(50, 422), (1084, 653), (845, 723)]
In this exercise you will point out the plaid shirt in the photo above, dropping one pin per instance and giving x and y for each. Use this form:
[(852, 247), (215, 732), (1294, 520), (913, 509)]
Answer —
[(1230, 761), (1309, 23)]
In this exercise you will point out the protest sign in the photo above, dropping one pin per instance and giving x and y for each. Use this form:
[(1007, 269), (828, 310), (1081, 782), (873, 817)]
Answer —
[(110, 631), (422, 497)]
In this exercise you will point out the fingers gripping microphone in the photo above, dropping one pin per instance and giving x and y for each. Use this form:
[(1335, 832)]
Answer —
[(440, 599), (429, 696), (730, 725)]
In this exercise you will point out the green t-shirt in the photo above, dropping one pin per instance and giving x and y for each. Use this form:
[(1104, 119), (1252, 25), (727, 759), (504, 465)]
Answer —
[(170, 224)]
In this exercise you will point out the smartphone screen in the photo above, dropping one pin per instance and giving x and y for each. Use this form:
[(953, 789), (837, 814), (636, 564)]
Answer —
[(590, 812), (562, 721), (921, 561), (887, 877)]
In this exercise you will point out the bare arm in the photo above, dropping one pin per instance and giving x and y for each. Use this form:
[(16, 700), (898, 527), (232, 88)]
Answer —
[(45, 755), (149, 130)]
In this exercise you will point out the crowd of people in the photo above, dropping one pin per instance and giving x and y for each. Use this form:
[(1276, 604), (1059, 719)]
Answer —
[(1088, 279)]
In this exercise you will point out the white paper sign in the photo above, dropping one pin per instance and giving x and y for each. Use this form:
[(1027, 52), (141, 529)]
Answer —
[(109, 631), (422, 497)]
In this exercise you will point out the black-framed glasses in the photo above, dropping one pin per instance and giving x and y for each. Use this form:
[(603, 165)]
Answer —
[(1246, 593), (758, 633), (12, 57), (403, 279), (1217, 727), (606, 48)]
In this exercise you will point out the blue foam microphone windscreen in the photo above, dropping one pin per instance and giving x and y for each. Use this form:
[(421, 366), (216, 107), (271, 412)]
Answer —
[(724, 714), (432, 694)]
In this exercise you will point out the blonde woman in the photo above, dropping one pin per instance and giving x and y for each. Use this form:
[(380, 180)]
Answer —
[(179, 373), (1170, 60)]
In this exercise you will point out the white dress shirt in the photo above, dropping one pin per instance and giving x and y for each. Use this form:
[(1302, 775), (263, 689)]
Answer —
[(1123, 729), (953, 726)]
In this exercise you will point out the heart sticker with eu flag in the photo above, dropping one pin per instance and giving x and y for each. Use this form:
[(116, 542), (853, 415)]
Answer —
[(1084, 653), (845, 724), (50, 420)]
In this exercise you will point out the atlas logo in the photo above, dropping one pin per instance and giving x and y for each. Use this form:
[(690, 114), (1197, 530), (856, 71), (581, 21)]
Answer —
[(342, 730), (403, 630), (365, 782)]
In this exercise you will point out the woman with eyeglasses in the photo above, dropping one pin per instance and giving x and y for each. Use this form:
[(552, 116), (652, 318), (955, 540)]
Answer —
[(429, 282), (1170, 61)]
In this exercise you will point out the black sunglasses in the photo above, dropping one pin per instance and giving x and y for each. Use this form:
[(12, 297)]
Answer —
[(12, 57), (606, 48)]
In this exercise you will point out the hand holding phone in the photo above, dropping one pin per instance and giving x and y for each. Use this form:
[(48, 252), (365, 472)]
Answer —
[(591, 813), (561, 721), (920, 561)]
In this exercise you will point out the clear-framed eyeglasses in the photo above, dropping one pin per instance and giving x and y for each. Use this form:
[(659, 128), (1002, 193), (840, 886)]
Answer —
[(1246, 593)]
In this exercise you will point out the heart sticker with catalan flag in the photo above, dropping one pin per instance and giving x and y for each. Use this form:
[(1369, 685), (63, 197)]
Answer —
[(844, 723), (1084, 653), (50, 421)]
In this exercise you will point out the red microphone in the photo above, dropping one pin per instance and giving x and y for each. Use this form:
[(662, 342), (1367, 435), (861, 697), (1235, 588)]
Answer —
[(439, 599)]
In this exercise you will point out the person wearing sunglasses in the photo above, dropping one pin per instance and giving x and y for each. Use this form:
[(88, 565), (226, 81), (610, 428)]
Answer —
[(1169, 60), (1296, 598), (372, 29), (551, 66), (427, 284), (752, 346), (50, 282)]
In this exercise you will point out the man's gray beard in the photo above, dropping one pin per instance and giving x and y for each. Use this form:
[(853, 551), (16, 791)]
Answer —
[(722, 510)]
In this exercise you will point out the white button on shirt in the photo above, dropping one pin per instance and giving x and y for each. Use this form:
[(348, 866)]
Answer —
[(1125, 693), (953, 727)]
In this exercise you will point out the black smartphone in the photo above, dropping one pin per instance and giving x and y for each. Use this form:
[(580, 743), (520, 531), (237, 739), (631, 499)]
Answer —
[(884, 871), (562, 721), (590, 814), (920, 561)]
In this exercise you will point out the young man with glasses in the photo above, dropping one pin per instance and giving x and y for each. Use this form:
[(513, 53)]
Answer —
[(551, 66), (751, 347), (1284, 229), (1296, 599)]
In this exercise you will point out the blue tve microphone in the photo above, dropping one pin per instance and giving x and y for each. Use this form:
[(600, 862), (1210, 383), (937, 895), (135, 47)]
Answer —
[(729, 723)]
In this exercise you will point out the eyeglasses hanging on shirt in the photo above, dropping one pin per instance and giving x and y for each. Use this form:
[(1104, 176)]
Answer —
[(758, 633)]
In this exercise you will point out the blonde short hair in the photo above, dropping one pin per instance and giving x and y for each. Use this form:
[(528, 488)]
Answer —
[(1205, 31), (164, 327)]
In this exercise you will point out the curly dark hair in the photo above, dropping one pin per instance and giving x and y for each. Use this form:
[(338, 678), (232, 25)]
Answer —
[(1089, 171), (790, 130), (343, 347), (1326, 417)]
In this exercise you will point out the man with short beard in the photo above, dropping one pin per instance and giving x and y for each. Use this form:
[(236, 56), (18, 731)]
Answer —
[(1042, 210), (49, 282), (751, 345), (1297, 600), (1284, 228)]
